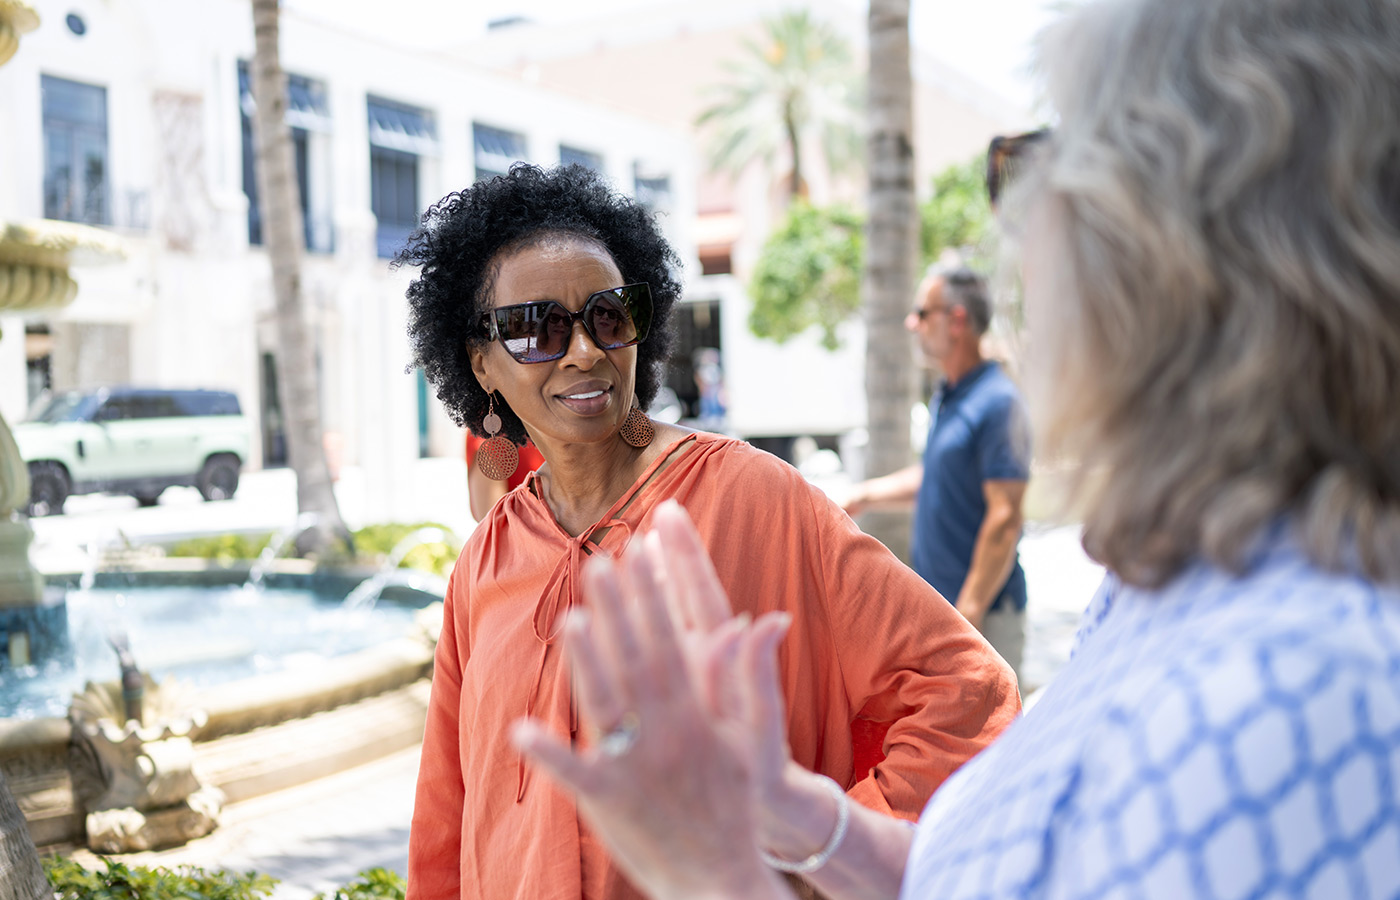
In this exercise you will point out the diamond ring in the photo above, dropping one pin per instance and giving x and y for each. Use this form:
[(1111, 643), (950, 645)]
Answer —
[(621, 737)]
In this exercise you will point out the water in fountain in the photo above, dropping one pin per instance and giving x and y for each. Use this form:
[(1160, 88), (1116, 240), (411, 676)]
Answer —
[(367, 592), (202, 634), (38, 636), (259, 569)]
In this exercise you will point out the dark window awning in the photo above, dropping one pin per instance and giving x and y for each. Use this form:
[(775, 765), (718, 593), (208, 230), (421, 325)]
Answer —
[(307, 103), (398, 126), (496, 148)]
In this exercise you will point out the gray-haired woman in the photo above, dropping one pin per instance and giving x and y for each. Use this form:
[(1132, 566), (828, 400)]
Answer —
[(1212, 264)]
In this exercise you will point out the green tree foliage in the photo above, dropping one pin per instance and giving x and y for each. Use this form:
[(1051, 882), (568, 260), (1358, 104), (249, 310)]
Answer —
[(795, 89), (808, 274), (956, 216), (810, 269)]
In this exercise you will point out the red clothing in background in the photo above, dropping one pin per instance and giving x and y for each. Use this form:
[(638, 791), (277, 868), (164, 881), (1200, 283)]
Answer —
[(530, 460)]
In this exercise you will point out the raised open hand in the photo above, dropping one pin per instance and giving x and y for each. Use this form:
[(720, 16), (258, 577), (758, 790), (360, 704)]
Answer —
[(683, 695)]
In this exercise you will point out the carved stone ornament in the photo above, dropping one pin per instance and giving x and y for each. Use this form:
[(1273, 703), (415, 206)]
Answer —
[(136, 781)]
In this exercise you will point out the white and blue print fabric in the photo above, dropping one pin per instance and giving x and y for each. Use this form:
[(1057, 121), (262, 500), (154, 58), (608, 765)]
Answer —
[(1224, 737)]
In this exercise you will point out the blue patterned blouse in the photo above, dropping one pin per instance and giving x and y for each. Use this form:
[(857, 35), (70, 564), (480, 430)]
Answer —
[(1223, 737)]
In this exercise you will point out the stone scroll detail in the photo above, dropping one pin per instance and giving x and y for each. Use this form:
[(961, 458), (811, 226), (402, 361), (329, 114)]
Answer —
[(137, 781)]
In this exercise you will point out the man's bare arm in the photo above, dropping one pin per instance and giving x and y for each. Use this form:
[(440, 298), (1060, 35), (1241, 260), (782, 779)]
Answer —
[(995, 549), (895, 490)]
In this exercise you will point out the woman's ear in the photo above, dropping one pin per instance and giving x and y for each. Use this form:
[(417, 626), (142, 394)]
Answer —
[(478, 360)]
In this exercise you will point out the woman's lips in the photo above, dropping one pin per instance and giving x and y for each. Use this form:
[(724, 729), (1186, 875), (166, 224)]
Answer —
[(588, 402)]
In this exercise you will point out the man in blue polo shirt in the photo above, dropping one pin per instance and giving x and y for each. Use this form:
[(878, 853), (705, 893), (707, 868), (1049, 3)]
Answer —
[(969, 488)]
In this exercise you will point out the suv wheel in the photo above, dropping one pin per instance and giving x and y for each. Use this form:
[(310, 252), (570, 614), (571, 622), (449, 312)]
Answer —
[(48, 489), (147, 498), (218, 479)]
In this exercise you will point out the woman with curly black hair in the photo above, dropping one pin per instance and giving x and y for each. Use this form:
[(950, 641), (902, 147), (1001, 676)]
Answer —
[(543, 309)]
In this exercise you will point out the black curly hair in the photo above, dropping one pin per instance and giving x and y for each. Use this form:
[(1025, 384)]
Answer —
[(463, 237)]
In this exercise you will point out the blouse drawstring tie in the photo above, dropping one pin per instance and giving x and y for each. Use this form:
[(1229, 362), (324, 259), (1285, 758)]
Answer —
[(560, 595)]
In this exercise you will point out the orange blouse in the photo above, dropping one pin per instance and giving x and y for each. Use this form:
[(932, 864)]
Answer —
[(870, 640)]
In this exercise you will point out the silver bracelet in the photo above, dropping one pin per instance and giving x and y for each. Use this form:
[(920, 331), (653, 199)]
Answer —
[(820, 858)]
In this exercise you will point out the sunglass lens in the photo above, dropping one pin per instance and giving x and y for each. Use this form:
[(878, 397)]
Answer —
[(535, 332), (1005, 159), (610, 321)]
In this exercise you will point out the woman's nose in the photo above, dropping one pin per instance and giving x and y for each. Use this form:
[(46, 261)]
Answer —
[(581, 346)]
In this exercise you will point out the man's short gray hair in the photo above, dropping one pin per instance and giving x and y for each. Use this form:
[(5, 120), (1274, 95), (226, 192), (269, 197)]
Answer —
[(966, 288)]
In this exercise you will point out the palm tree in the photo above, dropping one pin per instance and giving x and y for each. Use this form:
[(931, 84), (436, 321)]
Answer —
[(794, 89), (891, 241), (296, 347)]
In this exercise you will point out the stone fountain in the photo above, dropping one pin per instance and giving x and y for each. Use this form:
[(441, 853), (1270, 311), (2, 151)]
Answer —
[(133, 762), (34, 276)]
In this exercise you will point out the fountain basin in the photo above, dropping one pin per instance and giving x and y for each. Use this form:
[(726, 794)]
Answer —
[(268, 731)]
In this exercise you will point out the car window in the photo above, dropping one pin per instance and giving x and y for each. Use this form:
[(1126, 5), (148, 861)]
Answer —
[(207, 403), (73, 406), (223, 404), (116, 409), (157, 406)]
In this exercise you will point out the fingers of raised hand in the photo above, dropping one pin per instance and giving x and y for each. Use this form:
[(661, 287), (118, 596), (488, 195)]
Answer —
[(662, 660), (716, 668), (603, 697), (698, 587), (613, 631), (537, 744), (762, 694)]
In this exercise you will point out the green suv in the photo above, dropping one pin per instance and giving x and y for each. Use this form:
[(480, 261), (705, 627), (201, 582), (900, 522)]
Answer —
[(136, 441)]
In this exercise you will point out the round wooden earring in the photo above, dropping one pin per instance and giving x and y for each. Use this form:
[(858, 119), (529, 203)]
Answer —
[(637, 429), (498, 457)]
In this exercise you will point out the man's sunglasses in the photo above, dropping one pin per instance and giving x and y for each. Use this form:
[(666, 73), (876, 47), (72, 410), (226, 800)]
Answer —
[(539, 331), (1006, 156)]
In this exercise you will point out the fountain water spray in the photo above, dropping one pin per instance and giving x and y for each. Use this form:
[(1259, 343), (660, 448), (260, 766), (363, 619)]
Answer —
[(367, 592)]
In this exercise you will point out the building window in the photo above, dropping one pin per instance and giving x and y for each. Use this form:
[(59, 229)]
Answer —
[(398, 135), (652, 189), (308, 115), (496, 149), (394, 190), (75, 151), (574, 156)]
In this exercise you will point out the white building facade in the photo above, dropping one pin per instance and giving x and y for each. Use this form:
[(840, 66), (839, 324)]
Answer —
[(135, 115), (775, 391)]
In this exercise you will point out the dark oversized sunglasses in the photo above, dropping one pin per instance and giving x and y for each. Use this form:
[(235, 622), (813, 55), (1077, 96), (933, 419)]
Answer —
[(539, 331), (1006, 156)]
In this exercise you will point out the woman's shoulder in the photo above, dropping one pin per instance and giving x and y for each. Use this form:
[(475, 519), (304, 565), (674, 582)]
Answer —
[(1272, 675), (738, 466), (1149, 758)]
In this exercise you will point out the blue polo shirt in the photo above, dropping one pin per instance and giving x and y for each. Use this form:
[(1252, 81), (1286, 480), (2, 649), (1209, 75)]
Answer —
[(978, 434)]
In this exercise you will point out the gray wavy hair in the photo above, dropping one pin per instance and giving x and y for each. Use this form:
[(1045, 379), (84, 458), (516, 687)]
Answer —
[(1224, 352)]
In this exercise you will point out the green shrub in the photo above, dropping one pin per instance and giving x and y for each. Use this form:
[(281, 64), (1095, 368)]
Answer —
[(121, 882), (222, 548), (372, 545), (375, 541), (371, 884)]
